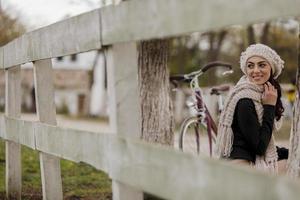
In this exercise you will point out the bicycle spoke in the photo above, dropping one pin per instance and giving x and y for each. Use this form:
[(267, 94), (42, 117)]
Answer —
[(194, 138)]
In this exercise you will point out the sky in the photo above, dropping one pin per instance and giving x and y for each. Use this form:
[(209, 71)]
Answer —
[(38, 13)]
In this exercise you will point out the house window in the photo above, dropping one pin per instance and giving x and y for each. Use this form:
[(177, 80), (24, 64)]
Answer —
[(59, 58), (73, 57)]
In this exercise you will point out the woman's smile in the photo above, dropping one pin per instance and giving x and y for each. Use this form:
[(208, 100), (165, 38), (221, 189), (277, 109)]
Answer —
[(257, 77)]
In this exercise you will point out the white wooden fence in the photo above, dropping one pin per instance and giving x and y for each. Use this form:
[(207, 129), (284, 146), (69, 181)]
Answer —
[(134, 166)]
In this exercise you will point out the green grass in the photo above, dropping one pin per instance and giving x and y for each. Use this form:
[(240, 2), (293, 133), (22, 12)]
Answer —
[(80, 181)]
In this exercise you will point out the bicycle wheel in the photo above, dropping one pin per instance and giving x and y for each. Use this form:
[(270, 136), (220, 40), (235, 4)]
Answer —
[(193, 137)]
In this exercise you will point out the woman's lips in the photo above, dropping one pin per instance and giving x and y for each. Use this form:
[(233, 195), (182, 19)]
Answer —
[(257, 77)]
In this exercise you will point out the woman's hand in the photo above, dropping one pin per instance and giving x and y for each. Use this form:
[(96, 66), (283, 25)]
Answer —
[(269, 96)]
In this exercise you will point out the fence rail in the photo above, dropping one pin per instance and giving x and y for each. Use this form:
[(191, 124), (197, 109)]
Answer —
[(133, 165), (144, 166), (136, 20)]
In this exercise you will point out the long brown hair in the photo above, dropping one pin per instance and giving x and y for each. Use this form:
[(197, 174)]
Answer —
[(279, 109)]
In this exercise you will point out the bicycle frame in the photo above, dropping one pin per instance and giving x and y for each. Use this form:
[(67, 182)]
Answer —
[(202, 112), (202, 116)]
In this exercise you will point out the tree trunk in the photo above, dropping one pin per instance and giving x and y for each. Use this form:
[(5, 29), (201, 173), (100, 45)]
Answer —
[(265, 33), (211, 53), (294, 154), (250, 35), (221, 37), (156, 104)]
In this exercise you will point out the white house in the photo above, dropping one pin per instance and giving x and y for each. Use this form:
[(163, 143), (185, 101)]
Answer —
[(73, 76)]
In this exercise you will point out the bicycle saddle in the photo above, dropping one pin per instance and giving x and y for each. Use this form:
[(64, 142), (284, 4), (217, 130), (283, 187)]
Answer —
[(218, 89)]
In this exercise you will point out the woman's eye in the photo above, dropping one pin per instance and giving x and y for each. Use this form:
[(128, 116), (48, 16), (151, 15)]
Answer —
[(250, 66), (262, 65)]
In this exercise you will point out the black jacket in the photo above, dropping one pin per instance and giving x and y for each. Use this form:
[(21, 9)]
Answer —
[(251, 138)]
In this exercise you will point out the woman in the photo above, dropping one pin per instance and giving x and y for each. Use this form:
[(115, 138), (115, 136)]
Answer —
[(252, 111)]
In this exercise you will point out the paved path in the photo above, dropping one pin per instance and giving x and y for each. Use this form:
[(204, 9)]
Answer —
[(74, 123)]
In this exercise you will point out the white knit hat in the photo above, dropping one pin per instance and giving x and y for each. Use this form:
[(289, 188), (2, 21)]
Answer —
[(266, 52)]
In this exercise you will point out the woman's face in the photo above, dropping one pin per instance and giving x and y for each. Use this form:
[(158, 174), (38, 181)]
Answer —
[(258, 70)]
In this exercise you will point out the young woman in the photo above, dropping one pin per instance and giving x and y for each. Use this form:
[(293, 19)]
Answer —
[(252, 112)]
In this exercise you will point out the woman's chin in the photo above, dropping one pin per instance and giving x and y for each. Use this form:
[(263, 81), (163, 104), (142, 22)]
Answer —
[(258, 82)]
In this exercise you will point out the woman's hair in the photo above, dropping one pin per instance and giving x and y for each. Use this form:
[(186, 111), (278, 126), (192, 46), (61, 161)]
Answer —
[(278, 107)]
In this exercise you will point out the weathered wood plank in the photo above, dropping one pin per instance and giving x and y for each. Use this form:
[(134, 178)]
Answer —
[(44, 90), (46, 111), (142, 19), (13, 178), (2, 127), (27, 139), (123, 191), (16, 52), (75, 145), (130, 21), (21, 132), (1, 58), (73, 35), (13, 92), (65, 143), (147, 167), (122, 69)]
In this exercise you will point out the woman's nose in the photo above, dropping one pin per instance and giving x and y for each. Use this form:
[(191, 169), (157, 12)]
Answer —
[(255, 69)]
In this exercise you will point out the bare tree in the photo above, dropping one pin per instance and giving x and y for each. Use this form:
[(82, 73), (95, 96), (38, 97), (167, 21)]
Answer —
[(156, 104), (216, 39), (265, 33), (10, 28), (250, 35)]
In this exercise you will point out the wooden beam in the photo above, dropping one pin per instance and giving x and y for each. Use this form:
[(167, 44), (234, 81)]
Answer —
[(46, 111), (1, 58), (13, 178), (73, 35), (143, 19), (122, 80), (146, 167), (130, 21), (75, 145), (122, 66), (18, 131)]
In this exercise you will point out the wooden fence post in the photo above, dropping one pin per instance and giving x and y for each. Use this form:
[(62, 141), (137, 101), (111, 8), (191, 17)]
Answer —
[(46, 111), (13, 179), (124, 106)]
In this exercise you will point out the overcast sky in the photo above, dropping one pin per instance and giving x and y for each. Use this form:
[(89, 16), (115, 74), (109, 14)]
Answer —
[(37, 13)]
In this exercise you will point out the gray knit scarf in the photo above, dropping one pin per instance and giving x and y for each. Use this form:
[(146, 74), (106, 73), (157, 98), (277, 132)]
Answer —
[(244, 89)]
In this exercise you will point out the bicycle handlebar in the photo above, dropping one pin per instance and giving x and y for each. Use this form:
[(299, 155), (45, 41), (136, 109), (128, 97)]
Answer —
[(188, 77), (216, 64), (179, 78)]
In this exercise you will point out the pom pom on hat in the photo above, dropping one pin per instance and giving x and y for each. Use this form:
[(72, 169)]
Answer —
[(266, 52)]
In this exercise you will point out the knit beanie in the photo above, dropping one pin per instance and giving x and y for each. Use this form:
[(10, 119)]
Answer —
[(277, 64)]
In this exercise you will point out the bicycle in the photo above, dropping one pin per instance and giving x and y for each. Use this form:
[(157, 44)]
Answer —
[(219, 91), (189, 138)]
